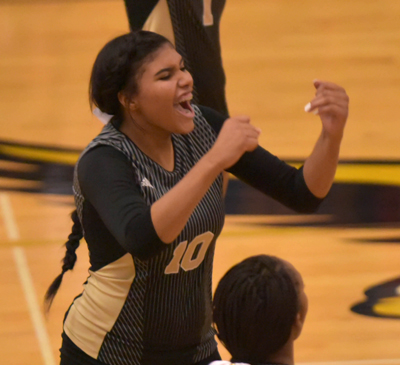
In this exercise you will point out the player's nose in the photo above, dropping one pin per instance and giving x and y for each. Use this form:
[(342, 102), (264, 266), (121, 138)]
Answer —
[(185, 79)]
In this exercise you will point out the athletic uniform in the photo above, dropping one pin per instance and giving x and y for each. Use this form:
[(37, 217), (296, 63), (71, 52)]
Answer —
[(146, 302), (193, 26)]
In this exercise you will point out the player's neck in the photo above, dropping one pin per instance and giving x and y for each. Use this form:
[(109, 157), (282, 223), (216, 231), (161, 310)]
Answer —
[(158, 146), (283, 356)]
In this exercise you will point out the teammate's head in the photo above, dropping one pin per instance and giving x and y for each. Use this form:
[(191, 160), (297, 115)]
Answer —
[(259, 306), (118, 67)]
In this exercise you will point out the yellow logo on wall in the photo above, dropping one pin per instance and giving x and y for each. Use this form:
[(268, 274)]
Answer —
[(383, 300)]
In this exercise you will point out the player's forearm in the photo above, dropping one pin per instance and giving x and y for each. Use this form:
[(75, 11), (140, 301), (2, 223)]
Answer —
[(320, 167), (171, 212), (332, 104)]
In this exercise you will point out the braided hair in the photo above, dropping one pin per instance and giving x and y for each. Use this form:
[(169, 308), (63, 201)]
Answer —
[(254, 308), (69, 259)]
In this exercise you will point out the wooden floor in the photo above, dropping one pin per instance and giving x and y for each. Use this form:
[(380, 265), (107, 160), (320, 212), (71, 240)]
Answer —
[(272, 51)]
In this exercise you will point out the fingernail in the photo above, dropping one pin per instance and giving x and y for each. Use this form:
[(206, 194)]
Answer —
[(315, 111), (258, 130), (307, 107), (315, 80)]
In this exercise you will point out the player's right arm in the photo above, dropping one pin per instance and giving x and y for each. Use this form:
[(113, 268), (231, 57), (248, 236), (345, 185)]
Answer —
[(172, 211), (108, 183), (107, 180)]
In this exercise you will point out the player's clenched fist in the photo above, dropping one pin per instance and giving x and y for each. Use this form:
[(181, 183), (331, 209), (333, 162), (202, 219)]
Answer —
[(236, 137)]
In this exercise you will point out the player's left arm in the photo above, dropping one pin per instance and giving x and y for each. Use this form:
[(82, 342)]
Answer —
[(331, 103), (268, 174)]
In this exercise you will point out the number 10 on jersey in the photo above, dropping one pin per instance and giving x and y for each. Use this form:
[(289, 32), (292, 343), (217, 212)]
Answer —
[(184, 252)]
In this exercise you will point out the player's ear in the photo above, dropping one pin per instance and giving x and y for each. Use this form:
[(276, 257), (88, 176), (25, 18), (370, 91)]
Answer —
[(299, 321), (127, 103), (123, 99), (132, 105), (297, 326)]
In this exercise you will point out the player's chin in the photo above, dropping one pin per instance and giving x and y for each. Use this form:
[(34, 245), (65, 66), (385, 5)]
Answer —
[(187, 126), (185, 122)]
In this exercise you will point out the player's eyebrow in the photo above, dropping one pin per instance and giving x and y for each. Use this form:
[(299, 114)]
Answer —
[(169, 69)]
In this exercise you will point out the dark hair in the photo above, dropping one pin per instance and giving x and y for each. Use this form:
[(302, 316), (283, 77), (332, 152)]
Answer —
[(69, 259), (255, 306), (117, 67)]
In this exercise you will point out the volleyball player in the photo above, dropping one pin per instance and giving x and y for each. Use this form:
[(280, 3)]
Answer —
[(193, 27), (259, 309), (148, 192)]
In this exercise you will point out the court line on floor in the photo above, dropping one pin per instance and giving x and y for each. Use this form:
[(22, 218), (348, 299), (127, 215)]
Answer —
[(355, 362), (35, 312), (8, 216)]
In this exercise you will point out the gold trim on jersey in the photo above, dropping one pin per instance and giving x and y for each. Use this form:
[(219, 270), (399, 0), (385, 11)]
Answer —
[(208, 18), (159, 21), (93, 314)]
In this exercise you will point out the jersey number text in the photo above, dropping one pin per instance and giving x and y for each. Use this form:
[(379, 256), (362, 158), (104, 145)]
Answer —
[(183, 254)]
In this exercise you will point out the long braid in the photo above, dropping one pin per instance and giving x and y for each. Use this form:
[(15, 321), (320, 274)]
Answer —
[(68, 261)]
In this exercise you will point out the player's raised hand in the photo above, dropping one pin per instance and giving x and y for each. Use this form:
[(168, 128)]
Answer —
[(236, 137), (332, 104)]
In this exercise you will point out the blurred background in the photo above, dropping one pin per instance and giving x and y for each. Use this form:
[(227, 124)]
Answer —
[(272, 50)]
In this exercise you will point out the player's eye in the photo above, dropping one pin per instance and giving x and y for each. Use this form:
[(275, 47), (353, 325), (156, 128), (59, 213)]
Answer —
[(165, 76)]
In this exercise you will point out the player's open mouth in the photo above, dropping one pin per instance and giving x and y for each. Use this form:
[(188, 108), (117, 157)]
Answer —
[(185, 108)]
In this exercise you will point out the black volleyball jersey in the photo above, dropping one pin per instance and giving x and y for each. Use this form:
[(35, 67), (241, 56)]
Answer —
[(145, 311), (193, 26), (146, 302)]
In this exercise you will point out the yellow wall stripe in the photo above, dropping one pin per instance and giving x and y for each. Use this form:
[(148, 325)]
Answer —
[(357, 173), (38, 154)]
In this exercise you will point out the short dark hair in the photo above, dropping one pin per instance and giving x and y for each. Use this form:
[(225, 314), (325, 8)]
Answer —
[(254, 308), (117, 67)]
